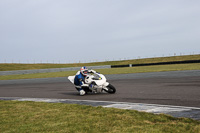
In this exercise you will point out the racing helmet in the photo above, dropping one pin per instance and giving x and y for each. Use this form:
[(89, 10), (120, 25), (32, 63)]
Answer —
[(84, 71)]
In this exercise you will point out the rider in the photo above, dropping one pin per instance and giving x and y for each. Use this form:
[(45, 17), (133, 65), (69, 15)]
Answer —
[(79, 80)]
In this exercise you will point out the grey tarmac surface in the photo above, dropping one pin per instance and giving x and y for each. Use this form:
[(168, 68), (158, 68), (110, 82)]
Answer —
[(178, 88)]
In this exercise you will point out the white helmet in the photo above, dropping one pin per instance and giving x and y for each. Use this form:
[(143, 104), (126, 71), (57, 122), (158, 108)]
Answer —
[(84, 71)]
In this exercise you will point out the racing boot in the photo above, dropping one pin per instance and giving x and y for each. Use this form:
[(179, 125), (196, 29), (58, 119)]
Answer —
[(82, 92)]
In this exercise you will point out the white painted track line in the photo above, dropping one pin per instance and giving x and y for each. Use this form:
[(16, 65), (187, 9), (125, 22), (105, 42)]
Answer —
[(176, 111)]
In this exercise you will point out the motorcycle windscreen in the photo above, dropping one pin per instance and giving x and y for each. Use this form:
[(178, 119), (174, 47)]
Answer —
[(96, 77), (102, 81)]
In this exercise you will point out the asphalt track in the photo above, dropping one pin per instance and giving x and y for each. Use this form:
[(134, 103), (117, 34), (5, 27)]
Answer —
[(167, 88), (177, 88)]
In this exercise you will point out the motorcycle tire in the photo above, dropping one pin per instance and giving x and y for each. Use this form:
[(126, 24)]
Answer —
[(111, 89)]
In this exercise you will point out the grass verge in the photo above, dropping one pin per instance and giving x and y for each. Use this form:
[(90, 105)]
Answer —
[(141, 69), (21, 117), (10, 67)]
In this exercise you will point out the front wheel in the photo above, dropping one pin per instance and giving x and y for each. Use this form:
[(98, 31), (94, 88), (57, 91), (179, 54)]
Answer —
[(111, 89)]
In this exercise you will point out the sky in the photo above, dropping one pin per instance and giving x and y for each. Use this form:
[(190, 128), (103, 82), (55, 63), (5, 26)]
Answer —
[(72, 31)]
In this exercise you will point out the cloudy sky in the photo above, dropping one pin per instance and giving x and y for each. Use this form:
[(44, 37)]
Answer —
[(97, 30)]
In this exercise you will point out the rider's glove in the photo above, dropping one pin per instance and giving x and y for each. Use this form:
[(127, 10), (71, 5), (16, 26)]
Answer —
[(91, 71)]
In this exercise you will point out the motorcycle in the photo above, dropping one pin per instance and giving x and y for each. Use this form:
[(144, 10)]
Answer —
[(94, 83)]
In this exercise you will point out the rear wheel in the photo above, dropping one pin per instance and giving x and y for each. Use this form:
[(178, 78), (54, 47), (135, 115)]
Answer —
[(111, 89)]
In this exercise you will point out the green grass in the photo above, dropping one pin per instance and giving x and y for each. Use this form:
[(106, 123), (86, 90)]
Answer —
[(20, 117), (142, 69), (10, 67)]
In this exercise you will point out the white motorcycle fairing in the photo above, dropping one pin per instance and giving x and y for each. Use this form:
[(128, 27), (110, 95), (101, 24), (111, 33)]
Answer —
[(100, 80), (95, 82), (71, 78)]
